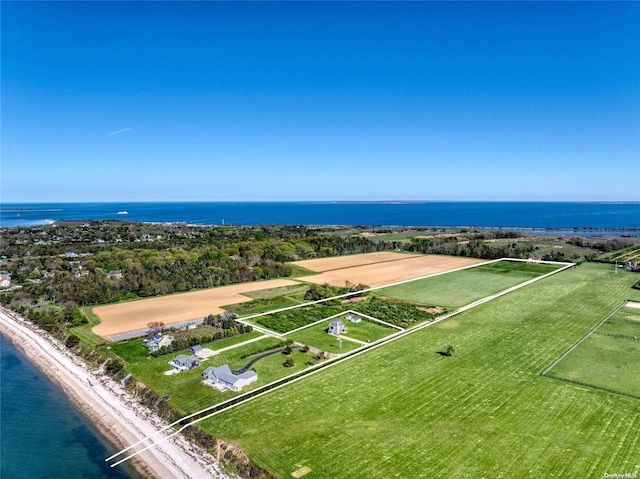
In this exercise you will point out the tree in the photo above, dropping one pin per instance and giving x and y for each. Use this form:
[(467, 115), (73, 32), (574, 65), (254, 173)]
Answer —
[(72, 341), (155, 327), (289, 363), (451, 349)]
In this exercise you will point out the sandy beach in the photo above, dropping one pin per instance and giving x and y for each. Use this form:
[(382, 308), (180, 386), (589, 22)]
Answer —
[(109, 406)]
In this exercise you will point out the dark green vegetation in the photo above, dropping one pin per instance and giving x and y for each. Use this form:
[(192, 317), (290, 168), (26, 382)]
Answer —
[(458, 288), (402, 410), (396, 313), (75, 263), (608, 358)]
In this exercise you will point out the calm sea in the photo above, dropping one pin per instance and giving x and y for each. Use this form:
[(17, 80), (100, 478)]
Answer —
[(563, 216), (42, 435)]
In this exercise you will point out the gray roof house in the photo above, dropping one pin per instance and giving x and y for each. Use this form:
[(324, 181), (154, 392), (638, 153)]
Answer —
[(195, 349), (222, 377), (184, 363), (336, 327), (157, 342)]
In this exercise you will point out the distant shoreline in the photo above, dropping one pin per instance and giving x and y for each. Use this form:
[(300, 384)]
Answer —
[(104, 402)]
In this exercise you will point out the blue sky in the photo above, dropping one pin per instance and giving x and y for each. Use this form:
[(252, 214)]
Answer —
[(214, 101)]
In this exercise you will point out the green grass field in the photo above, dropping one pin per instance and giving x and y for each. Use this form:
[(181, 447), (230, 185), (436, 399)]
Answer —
[(622, 255), (605, 361), (402, 410), (368, 331), (186, 393), (458, 288), (317, 337), (131, 351), (623, 324)]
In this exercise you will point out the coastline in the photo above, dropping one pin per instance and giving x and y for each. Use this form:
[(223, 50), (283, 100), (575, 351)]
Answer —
[(108, 406)]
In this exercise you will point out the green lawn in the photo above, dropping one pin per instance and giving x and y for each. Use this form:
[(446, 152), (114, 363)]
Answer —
[(603, 361), (240, 338), (401, 410), (368, 331), (621, 324), (186, 393), (458, 288), (317, 337), (131, 351)]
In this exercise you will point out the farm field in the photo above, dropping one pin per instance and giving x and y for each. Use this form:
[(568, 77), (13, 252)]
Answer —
[(380, 274), (458, 288), (608, 358), (603, 361), (339, 262), (186, 393), (402, 410), (632, 253), (136, 315)]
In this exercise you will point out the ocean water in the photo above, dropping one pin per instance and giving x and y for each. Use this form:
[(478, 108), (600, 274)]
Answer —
[(563, 216), (42, 434)]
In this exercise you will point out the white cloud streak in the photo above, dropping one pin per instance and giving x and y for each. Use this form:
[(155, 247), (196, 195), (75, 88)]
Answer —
[(118, 131)]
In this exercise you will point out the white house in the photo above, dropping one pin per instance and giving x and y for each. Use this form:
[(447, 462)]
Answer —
[(221, 377), (158, 341), (336, 327), (5, 280)]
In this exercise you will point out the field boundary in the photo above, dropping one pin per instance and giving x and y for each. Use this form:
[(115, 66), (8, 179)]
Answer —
[(546, 373), (355, 293), (275, 385), (583, 339)]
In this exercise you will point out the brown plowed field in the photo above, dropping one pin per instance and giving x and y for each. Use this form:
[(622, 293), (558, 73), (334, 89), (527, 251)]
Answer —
[(388, 272), (175, 308), (340, 262)]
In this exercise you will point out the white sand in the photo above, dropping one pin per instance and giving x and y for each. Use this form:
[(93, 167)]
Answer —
[(113, 410)]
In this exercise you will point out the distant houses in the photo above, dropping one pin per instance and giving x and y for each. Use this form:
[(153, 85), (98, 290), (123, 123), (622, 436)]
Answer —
[(336, 327), (222, 378), (5, 280), (184, 363)]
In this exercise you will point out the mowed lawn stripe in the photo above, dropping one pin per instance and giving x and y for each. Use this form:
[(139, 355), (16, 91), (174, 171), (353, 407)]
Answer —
[(458, 288), (405, 411)]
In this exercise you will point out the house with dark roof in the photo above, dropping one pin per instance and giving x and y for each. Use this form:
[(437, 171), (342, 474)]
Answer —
[(156, 342), (336, 327), (184, 363), (222, 377)]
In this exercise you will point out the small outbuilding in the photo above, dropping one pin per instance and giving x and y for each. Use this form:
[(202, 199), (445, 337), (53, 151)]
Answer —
[(353, 318)]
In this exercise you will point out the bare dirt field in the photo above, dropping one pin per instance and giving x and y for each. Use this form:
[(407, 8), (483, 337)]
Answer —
[(387, 272), (339, 262), (175, 308)]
